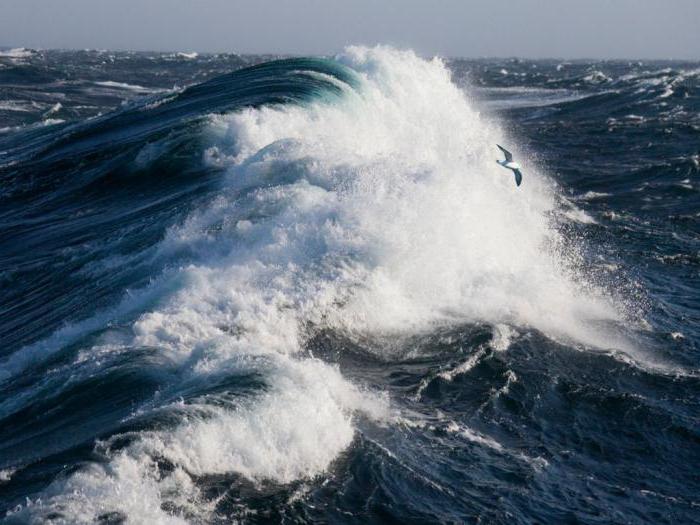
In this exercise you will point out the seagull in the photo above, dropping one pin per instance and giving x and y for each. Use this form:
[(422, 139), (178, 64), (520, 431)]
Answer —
[(508, 163)]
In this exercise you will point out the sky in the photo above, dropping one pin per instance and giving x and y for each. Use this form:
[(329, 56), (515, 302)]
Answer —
[(657, 29)]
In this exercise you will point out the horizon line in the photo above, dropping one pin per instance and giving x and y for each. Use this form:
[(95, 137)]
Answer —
[(288, 54)]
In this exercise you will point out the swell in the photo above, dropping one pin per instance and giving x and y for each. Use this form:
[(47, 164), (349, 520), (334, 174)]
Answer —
[(204, 250), (75, 196), (89, 204), (276, 82)]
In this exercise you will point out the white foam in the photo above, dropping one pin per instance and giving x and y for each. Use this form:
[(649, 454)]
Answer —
[(462, 368), (597, 77), (450, 373), (122, 85), (52, 121), (16, 105), (511, 379), (498, 98), (6, 474), (503, 337), (537, 463), (382, 213), (592, 195), (54, 109), (293, 431), (17, 52), (575, 214), (474, 436), (667, 92), (417, 174)]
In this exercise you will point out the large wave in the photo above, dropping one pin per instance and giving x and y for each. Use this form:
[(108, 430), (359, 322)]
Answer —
[(378, 212)]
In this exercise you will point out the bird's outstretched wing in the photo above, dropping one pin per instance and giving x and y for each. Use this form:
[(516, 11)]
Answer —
[(518, 177), (508, 154)]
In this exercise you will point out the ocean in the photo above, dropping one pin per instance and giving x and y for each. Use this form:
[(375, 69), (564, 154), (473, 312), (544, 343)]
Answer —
[(261, 289)]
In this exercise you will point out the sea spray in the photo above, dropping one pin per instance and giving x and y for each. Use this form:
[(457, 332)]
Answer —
[(380, 212)]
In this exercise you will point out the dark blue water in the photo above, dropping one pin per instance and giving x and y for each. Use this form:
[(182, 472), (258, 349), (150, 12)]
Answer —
[(235, 288)]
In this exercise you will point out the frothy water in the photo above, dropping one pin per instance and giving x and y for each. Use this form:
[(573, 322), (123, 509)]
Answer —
[(378, 214)]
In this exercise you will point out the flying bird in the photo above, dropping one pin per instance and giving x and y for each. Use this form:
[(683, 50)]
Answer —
[(511, 165)]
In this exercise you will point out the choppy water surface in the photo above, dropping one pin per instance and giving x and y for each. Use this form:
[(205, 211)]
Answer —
[(302, 290)]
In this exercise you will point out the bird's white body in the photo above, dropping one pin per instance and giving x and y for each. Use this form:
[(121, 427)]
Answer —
[(510, 165)]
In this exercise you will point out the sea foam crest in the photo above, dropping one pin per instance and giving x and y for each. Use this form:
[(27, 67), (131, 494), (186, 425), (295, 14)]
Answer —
[(383, 212)]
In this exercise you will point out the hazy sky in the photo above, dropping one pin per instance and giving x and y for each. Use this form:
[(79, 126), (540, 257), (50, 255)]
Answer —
[(527, 28)]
